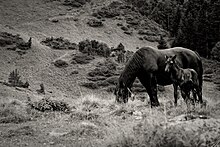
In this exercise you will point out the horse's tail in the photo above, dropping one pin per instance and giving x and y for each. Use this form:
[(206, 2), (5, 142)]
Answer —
[(200, 74)]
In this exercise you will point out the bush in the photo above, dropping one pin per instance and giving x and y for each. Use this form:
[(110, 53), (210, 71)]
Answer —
[(46, 104), (162, 44), (9, 39), (60, 63), (95, 23), (59, 43), (75, 3), (94, 47), (14, 80), (216, 51)]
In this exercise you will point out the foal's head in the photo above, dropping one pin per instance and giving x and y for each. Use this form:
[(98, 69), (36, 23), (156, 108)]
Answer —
[(170, 63)]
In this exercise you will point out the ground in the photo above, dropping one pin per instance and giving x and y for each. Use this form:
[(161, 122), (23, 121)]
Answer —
[(95, 119)]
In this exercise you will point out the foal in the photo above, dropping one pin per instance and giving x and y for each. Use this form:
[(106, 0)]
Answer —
[(186, 79)]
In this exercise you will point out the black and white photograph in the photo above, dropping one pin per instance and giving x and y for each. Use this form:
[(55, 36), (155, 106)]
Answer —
[(109, 73)]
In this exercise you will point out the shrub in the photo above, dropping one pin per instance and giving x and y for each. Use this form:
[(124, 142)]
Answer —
[(162, 44), (216, 51), (94, 23), (59, 43), (75, 3), (9, 39), (47, 104), (94, 47), (14, 80)]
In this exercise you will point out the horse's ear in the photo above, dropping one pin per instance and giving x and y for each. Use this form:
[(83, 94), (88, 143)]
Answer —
[(174, 57)]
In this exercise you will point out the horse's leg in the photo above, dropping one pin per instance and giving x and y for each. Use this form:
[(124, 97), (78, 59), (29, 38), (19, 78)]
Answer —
[(150, 83), (175, 87), (152, 90)]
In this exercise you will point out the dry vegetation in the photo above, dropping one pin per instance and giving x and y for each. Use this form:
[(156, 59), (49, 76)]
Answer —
[(99, 121)]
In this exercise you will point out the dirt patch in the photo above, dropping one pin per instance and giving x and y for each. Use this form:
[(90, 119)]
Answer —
[(59, 43)]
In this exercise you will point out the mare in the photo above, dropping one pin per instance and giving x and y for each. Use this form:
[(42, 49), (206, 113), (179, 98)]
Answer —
[(148, 65)]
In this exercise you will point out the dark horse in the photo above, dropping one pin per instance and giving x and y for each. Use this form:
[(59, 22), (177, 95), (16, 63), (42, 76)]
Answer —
[(148, 65)]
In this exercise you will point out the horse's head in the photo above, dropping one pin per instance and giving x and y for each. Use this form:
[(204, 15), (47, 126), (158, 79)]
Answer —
[(170, 61), (122, 93)]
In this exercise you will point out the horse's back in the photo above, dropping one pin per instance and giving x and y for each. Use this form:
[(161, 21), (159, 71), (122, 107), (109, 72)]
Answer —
[(154, 60)]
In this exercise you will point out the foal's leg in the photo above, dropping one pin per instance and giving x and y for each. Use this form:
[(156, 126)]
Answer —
[(175, 87), (186, 97), (194, 91)]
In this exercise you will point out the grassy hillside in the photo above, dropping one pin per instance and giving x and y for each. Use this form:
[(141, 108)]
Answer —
[(77, 106)]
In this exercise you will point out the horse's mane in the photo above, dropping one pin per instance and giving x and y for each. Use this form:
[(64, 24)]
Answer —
[(131, 69)]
